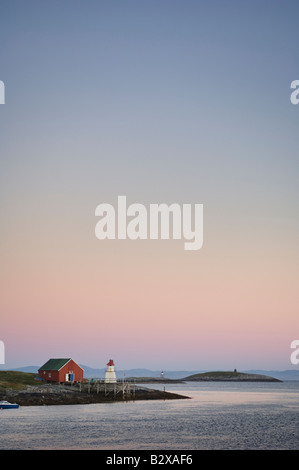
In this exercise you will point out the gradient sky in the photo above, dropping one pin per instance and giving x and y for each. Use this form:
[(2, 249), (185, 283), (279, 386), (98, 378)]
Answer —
[(161, 101)]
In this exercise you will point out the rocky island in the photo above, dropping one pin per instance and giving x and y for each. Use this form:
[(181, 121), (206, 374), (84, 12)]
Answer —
[(24, 389), (227, 376)]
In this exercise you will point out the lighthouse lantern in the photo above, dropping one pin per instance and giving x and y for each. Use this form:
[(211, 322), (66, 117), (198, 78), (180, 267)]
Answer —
[(110, 376)]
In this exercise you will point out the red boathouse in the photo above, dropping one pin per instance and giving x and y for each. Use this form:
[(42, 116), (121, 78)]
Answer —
[(61, 371)]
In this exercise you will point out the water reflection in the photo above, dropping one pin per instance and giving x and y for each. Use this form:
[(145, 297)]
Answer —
[(236, 393), (218, 416)]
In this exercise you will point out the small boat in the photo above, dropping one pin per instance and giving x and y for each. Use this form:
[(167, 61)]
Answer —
[(5, 404)]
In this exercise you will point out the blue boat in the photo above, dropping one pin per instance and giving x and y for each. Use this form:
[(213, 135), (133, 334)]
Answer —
[(5, 404)]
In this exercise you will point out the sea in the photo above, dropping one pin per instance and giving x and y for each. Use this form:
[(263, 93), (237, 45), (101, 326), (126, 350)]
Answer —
[(217, 416)]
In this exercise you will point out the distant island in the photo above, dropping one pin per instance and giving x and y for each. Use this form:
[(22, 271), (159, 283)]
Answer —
[(217, 376), (227, 376)]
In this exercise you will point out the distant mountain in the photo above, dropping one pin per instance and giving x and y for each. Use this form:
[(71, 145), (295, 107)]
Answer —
[(90, 372), (31, 369)]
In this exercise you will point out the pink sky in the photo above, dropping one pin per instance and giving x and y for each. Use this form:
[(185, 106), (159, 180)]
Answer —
[(148, 304), (188, 107)]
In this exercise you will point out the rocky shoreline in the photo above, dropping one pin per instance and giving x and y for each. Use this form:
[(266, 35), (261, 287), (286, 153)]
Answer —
[(59, 395)]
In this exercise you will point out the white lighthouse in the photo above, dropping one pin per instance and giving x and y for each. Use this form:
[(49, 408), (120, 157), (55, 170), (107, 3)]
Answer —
[(110, 376)]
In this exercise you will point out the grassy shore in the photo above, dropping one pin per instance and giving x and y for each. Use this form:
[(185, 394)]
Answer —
[(10, 379)]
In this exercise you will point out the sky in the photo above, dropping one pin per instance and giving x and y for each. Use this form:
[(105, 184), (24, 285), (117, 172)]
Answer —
[(164, 101)]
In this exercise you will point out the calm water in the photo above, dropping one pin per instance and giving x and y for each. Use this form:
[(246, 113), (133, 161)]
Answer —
[(219, 416)]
